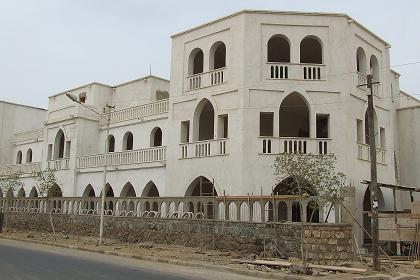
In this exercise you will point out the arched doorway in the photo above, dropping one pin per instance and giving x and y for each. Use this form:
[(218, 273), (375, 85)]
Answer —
[(59, 145), (34, 192), (29, 156), (201, 186), (218, 56), (55, 191), (196, 62), (89, 192), (111, 143), (21, 192), (361, 61), (294, 116), (374, 68), (204, 121), (128, 141), (156, 137), (278, 49), (150, 190), (128, 191), (311, 50)]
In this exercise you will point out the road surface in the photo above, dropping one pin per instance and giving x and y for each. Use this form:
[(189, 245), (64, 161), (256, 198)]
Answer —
[(29, 261)]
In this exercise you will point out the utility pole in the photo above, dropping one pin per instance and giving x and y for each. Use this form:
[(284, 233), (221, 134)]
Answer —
[(373, 178)]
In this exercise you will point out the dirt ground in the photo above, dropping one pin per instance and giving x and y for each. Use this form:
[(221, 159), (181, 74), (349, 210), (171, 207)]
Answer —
[(188, 254)]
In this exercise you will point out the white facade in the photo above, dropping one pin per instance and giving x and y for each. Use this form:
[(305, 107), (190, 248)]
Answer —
[(243, 89)]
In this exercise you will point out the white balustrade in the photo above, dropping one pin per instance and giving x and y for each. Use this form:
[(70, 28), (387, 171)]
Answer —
[(289, 145), (155, 154), (132, 113), (26, 168), (295, 71), (58, 164), (363, 153), (206, 148), (362, 81), (206, 79)]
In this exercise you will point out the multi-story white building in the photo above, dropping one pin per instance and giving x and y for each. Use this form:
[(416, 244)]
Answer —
[(243, 88)]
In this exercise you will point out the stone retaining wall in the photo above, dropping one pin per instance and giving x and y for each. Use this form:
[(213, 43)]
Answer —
[(323, 240)]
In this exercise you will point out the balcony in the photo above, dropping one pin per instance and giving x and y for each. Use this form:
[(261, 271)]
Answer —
[(295, 71), (58, 164), (137, 112), (207, 79), (155, 154), (208, 148), (362, 80), (26, 168), (289, 145), (363, 153)]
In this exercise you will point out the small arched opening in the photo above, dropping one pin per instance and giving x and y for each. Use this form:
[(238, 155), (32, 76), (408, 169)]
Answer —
[(156, 137), (150, 190), (19, 157), (29, 156), (196, 62), (218, 56), (294, 116), (128, 141), (59, 145), (111, 143), (361, 65), (278, 49), (204, 121), (89, 191), (311, 50)]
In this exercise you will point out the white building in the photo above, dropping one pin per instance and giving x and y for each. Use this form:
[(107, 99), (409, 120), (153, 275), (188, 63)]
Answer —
[(243, 88)]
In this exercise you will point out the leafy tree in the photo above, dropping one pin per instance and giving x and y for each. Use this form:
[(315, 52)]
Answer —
[(10, 182), (311, 175)]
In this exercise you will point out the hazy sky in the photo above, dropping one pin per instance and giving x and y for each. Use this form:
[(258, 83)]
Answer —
[(48, 46)]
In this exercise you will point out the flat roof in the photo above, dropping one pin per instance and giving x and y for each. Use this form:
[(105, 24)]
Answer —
[(23, 105), (251, 11)]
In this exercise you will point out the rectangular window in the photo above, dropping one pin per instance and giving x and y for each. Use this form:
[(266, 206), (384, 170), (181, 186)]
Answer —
[(185, 132), (266, 123), (49, 155), (322, 126), (67, 151), (223, 126), (359, 130), (382, 137)]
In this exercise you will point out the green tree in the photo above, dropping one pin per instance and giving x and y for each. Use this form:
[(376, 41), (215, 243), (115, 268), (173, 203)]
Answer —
[(312, 176), (10, 182)]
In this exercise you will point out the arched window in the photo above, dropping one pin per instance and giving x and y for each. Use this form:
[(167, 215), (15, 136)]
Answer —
[(59, 145), (294, 116), (29, 156), (196, 62), (361, 61), (156, 137), (374, 68), (33, 193), (311, 50), (278, 49), (218, 56), (204, 121), (128, 191), (150, 190), (111, 143), (19, 157), (128, 141)]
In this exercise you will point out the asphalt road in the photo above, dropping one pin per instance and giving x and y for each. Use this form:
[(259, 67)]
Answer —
[(28, 261)]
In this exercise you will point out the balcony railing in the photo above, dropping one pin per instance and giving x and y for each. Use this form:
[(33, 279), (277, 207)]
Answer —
[(289, 145), (363, 153), (361, 84), (207, 79), (58, 164), (155, 154), (208, 148), (26, 168), (295, 71), (133, 113)]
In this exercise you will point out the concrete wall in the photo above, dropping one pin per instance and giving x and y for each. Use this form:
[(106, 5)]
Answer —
[(326, 243)]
